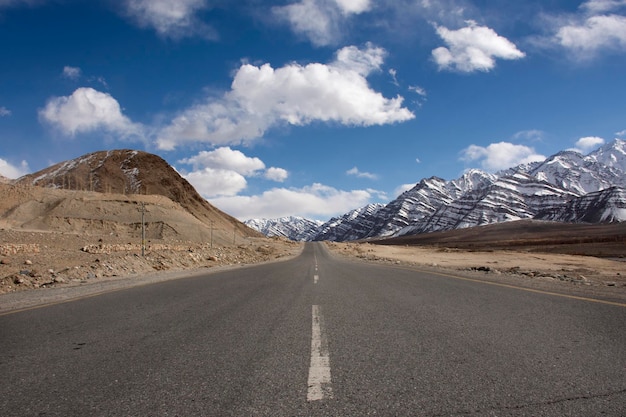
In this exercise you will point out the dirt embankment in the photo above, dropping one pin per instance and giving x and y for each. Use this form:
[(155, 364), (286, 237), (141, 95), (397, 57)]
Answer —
[(31, 260), (584, 275)]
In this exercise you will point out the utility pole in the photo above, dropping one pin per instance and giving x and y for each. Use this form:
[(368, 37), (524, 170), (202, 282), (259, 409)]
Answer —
[(143, 230)]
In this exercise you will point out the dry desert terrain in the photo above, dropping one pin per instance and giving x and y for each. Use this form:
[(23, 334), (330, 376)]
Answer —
[(121, 218), (38, 268)]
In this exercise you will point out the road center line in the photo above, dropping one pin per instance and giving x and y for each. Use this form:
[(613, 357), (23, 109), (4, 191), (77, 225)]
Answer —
[(319, 371), (315, 279)]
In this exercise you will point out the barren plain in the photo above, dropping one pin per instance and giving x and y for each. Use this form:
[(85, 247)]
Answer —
[(583, 259), (57, 244), (44, 267)]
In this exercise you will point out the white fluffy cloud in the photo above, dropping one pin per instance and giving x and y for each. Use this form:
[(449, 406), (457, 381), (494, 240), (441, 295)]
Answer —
[(501, 155), (598, 25), (227, 159), (320, 20), (171, 18), (13, 171), (359, 174), (473, 48), (353, 6), (211, 182), (4, 111), (316, 201), (362, 61), (262, 97), (276, 174), (588, 143), (595, 33), (223, 172), (88, 110)]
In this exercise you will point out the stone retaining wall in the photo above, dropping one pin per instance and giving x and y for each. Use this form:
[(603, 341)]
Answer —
[(133, 247), (15, 248)]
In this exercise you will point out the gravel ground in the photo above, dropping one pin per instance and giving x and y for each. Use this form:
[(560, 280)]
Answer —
[(44, 267), (584, 276)]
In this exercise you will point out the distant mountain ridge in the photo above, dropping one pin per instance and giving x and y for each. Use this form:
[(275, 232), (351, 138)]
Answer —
[(294, 228), (350, 226), (566, 187)]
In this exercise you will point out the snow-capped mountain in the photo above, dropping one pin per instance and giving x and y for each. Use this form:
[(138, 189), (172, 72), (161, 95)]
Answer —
[(513, 197), (294, 228), (612, 155), (416, 206), (604, 206), (351, 225), (566, 187)]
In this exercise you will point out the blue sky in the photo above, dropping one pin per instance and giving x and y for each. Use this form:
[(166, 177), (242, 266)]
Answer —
[(309, 107)]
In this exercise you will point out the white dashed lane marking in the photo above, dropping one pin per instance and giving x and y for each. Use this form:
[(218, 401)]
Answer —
[(319, 372)]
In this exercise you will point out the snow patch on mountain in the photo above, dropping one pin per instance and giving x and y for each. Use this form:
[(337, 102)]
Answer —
[(294, 228), (605, 206), (351, 225)]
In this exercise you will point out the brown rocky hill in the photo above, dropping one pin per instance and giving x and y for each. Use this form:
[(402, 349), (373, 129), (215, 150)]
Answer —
[(51, 237), (104, 191)]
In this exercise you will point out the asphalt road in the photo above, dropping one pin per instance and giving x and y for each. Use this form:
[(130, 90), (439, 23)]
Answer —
[(316, 336)]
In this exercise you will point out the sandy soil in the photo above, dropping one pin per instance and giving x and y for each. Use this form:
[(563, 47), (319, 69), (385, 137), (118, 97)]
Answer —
[(581, 275)]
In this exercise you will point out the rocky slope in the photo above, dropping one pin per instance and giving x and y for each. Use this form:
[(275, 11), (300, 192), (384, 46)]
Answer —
[(130, 173), (349, 226), (514, 197), (605, 206)]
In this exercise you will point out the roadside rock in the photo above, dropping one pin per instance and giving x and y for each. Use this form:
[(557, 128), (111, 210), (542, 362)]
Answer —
[(71, 259)]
